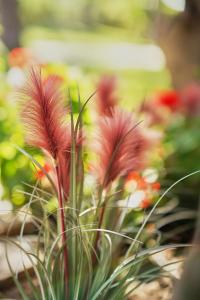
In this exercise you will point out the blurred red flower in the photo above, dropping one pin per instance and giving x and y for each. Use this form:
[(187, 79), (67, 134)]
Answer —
[(155, 186), (145, 203), (170, 99)]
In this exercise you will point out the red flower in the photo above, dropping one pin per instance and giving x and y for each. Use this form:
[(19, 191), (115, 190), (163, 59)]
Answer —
[(40, 174), (155, 186), (169, 99), (120, 147), (106, 98), (145, 203)]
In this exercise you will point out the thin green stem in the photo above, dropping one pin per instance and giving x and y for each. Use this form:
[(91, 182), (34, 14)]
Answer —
[(94, 258), (63, 232)]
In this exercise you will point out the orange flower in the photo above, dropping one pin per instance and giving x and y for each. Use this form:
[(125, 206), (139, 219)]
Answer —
[(40, 174), (142, 184), (155, 186), (20, 57), (145, 203), (135, 176)]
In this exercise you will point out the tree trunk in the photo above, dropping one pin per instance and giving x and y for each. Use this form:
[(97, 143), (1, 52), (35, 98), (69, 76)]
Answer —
[(179, 38), (11, 23), (188, 288)]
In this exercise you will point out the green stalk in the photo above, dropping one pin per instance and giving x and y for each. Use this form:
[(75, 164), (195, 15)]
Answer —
[(73, 197), (63, 232), (94, 258), (80, 166)]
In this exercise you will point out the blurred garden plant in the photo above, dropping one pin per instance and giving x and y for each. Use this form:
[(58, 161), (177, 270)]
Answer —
[(82, 250), (176, 113)]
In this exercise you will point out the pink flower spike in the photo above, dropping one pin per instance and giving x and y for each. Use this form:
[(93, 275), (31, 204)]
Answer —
[(106, 98), (43, 114), (120, 147)]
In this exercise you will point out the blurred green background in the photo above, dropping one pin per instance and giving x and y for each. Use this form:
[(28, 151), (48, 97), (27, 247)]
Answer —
[(79, 40)]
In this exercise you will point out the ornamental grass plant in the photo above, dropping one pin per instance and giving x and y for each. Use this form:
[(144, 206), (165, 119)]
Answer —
[(83, 251)]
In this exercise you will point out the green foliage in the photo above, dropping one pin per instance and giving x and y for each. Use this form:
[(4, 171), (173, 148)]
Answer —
[(14, 166), (183, 134), (87, 13), (113, 277), (87, 240), (182, 144), (103, 260)]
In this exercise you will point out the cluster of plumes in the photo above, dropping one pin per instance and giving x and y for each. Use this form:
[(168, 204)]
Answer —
[(185, 101), (43, 114), (120, 146), (106, 98)]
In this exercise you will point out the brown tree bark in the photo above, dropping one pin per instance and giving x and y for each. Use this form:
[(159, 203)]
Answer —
[(179, 38), (188, 287), (10, 22), (192, 7)]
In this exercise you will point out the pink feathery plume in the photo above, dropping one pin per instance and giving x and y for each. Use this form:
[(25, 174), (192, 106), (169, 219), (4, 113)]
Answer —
[(106, 98), (120, 147), (43, 114)]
